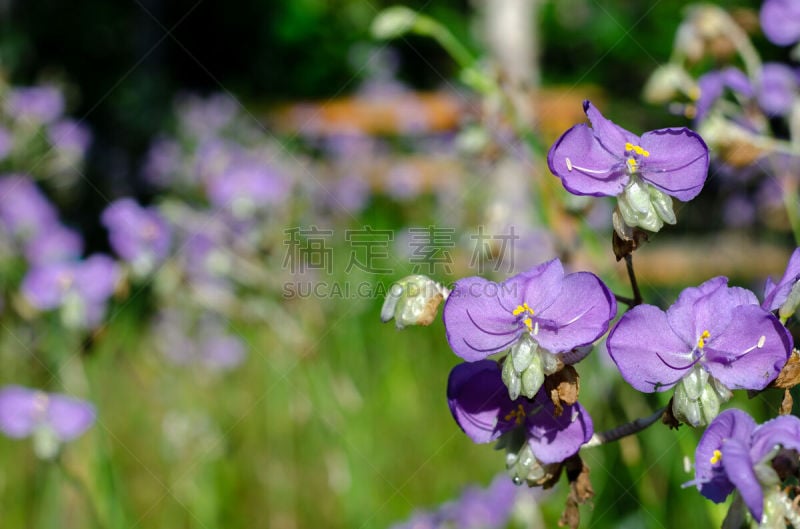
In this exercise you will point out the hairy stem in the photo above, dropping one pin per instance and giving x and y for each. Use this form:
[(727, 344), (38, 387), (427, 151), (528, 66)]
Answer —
[(624, 430)]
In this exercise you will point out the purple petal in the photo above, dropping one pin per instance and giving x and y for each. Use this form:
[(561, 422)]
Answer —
[(44, 286), (780, 20), (18, 410), (584, 166), (712, 85), (554, 439), (542, 286), (53, 245), (739, 468), (96, 278), (479, 400), (475, 322), (649, 355), (751, 351), (611, 136), (775, 294), (69, 417), (783, 431), (678, 162), (577, 323), (778, 89), (706, 307), (711, 478)]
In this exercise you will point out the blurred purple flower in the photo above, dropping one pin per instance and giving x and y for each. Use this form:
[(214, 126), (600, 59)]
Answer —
[(56, 244), (210, 346), (713, 84), (713, 339), (480, 508), (52, 418), (739, 211), (140, 236), (205, 117), (482, 408), (163, 162), (780, 20), (70, 136), (38, 104), (79, 288), (247, 186), (735, 453), (779, 87), (221, 352), (24, 210)]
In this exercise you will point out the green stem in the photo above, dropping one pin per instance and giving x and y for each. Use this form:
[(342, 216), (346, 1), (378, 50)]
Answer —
[(81, 488)]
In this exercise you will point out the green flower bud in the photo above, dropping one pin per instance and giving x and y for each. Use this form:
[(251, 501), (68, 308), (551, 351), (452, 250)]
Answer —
[(414, 300)]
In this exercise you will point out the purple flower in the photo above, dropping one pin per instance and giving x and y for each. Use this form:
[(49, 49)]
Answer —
[(52, 418), (778, 89), (713, 339), (480, 508), (37, 104), (221, 352), (70, 136), (141, 236), (542, 314), (79, 288), (780, 20), (246, 186), (607, 160), (24, 210), (482, 408), (735, 453), (712, 85), (56, 244)]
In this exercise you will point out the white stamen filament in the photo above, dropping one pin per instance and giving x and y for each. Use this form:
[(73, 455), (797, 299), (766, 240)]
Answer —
[(536, 328), (570, 167)]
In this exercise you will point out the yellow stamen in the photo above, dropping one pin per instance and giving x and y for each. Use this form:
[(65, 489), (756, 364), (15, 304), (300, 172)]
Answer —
[(703, 337), (638, 150), (631, 165), (525, 309), (517, 415), (716, 457)]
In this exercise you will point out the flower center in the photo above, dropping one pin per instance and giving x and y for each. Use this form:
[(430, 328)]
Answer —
[(701, 342), (517, 415), (527, 311), (716, 457)]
